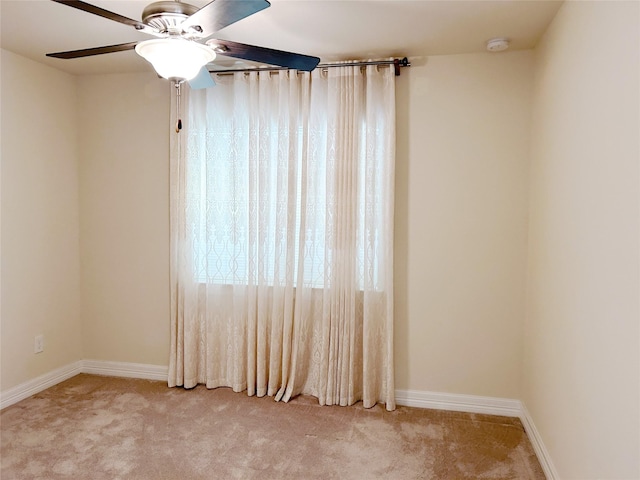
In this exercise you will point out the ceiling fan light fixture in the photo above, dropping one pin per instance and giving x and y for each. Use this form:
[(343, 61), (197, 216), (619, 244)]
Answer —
[(175, 58)]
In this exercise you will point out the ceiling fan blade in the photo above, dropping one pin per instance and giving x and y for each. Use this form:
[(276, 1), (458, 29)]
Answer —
[(220, 13), (264, 55), (202, 80), (101, 12), (87, 52)]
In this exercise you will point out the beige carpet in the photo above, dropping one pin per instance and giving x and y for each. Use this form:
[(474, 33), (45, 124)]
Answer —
[(92, 427)]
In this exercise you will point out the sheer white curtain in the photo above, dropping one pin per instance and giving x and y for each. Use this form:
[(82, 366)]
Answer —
[(282, 236)]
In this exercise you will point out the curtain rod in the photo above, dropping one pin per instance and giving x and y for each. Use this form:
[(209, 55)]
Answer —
[(396, 62)]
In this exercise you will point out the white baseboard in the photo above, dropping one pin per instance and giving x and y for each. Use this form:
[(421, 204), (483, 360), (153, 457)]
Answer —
[(410, 398), (123, 369), (459, 403), (38, 384), (487, 405), (538, 445), (95, 367)]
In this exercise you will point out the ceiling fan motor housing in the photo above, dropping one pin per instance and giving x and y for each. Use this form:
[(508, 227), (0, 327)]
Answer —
[(166, 16)]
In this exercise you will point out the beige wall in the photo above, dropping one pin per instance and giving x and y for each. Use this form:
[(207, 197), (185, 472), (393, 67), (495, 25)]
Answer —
[(461, 191), (581, 369), (124, 216), (461, 208), (467, 272), (40, 243)]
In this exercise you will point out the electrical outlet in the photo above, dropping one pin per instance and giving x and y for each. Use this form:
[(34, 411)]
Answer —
[(38, 344)]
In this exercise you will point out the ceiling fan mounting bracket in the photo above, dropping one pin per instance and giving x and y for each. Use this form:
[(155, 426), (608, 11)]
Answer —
[(167, 16)]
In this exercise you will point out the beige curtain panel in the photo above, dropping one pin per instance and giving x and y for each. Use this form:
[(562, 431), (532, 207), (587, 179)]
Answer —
[(282, 236)]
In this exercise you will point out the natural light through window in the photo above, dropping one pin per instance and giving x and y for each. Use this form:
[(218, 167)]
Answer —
[(224, 256)]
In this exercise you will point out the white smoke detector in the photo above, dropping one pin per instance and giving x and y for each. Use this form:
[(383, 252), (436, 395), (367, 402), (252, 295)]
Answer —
[(497, 44)]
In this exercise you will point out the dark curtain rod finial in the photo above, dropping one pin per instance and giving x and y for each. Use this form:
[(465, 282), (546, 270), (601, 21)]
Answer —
[(397, 63)]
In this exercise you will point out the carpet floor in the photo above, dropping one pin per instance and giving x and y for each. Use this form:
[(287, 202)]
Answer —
[(93, 427)]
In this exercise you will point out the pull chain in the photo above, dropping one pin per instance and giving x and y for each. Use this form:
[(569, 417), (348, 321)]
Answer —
[(179, 120)]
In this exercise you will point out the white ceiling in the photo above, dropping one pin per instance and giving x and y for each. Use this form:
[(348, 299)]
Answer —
[(332, 30)]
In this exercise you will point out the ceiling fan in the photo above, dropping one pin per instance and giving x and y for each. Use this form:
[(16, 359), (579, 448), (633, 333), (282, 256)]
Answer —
[(178, 53)]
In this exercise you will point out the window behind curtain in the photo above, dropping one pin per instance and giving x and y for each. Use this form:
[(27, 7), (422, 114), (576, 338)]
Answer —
[(219, 185)]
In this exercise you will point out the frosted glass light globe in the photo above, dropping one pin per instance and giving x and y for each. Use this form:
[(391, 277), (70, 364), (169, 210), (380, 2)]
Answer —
[(175, 58)]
